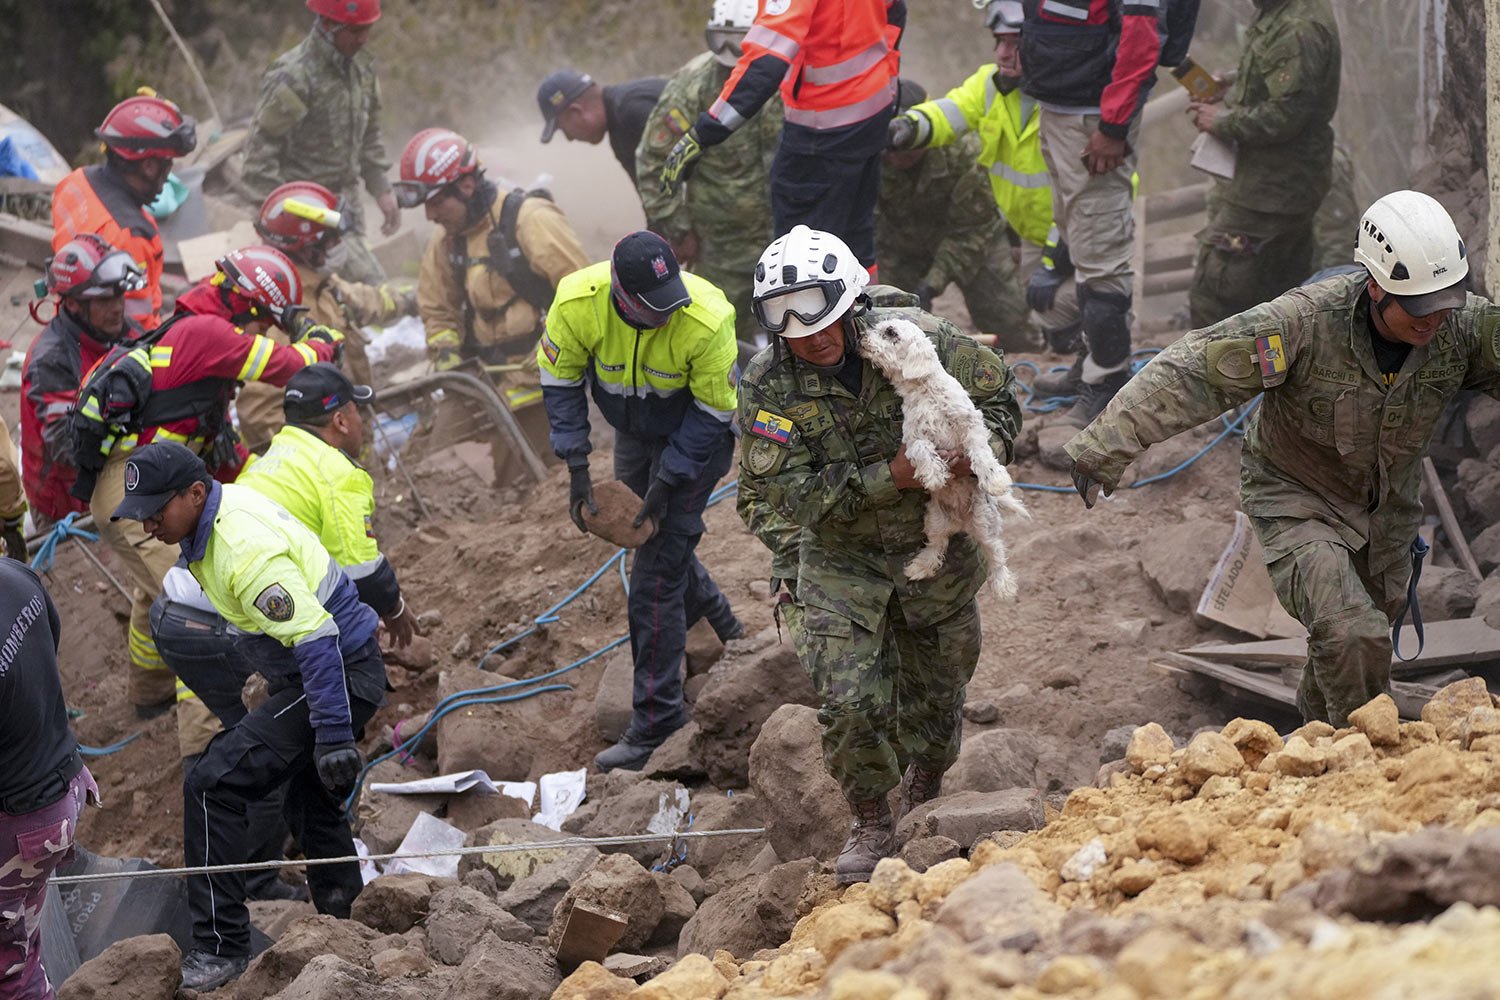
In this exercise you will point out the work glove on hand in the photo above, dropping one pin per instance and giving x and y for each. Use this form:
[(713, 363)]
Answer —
[(15, 542), (446, 361), (925, 293), (901, 133), (655, 503), (1087, 486), (580, 494), (681, 160), (320, 334), (1041, 288), (338, 765)]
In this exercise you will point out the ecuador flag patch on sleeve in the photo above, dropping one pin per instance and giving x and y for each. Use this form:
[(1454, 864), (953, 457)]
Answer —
[(1272, 356), (770, 425)]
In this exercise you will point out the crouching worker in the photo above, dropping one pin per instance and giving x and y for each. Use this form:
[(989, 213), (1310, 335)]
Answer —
[(307, 633)]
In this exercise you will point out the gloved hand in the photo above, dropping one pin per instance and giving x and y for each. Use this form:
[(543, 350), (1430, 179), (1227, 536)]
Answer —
[(1041, 288), (580, 494), (338, 765), (318, 332), (15, 542), (925, 293), (681, 160), (901, 133), (1087, 486), (655, 504), (446, 361)]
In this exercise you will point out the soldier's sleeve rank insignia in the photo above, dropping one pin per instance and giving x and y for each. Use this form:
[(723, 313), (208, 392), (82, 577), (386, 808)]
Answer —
[(1272, 356), (772, 426)]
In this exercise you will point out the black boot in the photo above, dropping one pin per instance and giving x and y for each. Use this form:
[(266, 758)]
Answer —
[(1094, 397), (1051, 385)]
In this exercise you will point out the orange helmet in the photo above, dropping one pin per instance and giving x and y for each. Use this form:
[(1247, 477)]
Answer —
[(435, 158), (143, 128), (300, 216), (264, 278), (355, 12)]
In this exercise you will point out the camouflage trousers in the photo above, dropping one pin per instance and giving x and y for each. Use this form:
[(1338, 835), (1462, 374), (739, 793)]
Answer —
[(1329, 588), (32, 846), (1246, 258), (890, 697)]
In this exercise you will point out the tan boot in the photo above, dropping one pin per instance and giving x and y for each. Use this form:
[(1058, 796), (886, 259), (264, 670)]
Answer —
[(918, 785), (869, 840)]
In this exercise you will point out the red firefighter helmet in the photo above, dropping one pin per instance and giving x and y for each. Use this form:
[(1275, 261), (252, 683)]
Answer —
[(87, 267), (264, 278), (435, 158), (355, 12), (300, 216), (143, 128)]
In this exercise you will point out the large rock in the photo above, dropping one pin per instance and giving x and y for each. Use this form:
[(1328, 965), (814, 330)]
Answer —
[(1446, 592), (511, 865), (1149, 746), (626, 814), (1210, 755), (394, 904), (971, 816), (741, 694), (754, 913), (275, 968), (678, 759), (1178, 558), (460, 916), (994, 760), (1002, 907), (723, 858), (694, 977), (612, 702), (805, 812), (532, 899), (703, 648), (498, 739), (138, 968), (1418, 876), (678, 908), (1486, 549), (592, 981), (504, 970), (618, 883), (1448, 709), (1487, 604), (328, 977)]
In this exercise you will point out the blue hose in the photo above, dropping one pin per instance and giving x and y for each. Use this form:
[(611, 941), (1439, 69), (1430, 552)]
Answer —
[(87, 751), (46, 552)]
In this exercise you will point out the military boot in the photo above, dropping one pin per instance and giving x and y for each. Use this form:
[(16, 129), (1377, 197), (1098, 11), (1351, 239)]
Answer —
[(1050, 385), (870, 839), (918, 785), (1094, 397)]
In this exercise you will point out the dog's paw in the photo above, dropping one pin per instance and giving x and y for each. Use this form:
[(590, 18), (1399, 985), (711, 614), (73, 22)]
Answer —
[(1004, 584), (925, 564)]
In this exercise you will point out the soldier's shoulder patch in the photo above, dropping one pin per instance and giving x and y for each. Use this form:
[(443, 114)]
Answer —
[(369, 526), (762, 457), (549, 348), (677, 122), (987, 376), (772, 426), (275, 603)]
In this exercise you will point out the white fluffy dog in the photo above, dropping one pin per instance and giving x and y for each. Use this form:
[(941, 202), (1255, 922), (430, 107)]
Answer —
[(939, 416)]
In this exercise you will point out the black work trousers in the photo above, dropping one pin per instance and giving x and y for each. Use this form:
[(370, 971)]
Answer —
[(271, 748), (669, 588), (832, 185)]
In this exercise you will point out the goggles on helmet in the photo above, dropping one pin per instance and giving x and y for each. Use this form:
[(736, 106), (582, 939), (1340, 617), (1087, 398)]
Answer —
[(808, 301), (181, 141), (725, 41), (414, 194), (115, 275)]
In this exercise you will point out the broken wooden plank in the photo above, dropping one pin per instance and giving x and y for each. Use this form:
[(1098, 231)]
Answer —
[(1456, 540), (590, 932), (1455, 643), (1409, 696)]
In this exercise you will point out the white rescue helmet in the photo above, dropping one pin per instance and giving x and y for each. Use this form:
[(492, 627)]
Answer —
[(1408, 243), (727, 25), (805, 282), (1002, 17)]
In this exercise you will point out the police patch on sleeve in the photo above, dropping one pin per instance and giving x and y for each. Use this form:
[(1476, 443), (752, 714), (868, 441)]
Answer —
[(275, 603)]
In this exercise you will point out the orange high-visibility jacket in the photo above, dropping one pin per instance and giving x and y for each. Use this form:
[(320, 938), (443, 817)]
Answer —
[(95, 200)]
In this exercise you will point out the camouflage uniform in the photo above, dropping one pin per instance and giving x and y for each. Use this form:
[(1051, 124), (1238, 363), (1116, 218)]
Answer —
[(318, 119), (937, 224), (1259, 239), (889, 657), (1337, 217), (727, 201), (1332, 461)]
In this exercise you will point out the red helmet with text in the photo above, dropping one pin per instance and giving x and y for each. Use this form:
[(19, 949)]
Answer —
[(143, 128), (264, 278), (435, 158), (300, 216), (355, 12)]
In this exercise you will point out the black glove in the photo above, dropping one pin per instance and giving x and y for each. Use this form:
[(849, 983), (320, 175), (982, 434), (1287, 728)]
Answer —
[(901, 133), (1041, 288), (681, 160), (580, 492), (925, 293), (15, 542), (655, 504), (338, 764), (1088, 487)]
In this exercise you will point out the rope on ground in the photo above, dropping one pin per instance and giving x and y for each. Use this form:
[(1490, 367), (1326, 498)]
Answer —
[(46, 552), (87, 751), (564, 844)]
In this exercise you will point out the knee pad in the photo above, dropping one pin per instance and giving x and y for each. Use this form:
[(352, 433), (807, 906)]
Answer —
[(1106, 325)]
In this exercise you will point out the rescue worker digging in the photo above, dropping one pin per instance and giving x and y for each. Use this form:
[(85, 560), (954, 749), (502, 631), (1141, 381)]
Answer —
[(657, 349), (832, 492), (1355, 372), (310, 636)]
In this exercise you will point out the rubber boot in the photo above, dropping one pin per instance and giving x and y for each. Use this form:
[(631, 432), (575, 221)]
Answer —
[(1050, 385), (1095, 397), (870, 839)]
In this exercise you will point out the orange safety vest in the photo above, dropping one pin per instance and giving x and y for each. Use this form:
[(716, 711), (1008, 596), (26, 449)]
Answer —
[(94, 200), (841, 57)]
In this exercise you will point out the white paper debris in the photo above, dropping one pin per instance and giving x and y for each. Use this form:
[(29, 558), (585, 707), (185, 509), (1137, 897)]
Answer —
[(428, 833), (459, 781), (561, 793)]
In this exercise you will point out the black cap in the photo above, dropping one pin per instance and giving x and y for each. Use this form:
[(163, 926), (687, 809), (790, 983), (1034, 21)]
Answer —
[(645, 266), (318, 389), (154, 475), (558, 91)]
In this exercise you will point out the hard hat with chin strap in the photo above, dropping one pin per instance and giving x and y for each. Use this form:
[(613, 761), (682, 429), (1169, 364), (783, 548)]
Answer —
[(1411, 248), (805, 282)]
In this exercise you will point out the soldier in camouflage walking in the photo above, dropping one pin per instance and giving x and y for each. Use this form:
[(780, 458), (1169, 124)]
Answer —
[(825, 467), (1356, 372), (937, 224), (45, 784), (318, 119), (720, 220), (1259, 238)]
